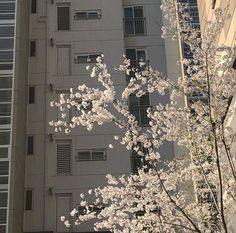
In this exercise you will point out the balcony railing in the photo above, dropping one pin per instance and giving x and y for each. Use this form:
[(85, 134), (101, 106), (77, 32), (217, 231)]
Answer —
[(134, 26), (140, 114)]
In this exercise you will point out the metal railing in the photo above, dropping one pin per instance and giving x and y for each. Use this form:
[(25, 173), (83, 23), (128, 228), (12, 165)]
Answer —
[(134, 26)]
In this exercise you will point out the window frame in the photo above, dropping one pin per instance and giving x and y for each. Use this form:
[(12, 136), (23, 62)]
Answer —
[(86, 13), (28, 151), (133, 21), (61, 5), (88, 59), (31, 95), (139, 108), (32, 199), (33, 48), (91, 155), (33, 6), (5, 175)]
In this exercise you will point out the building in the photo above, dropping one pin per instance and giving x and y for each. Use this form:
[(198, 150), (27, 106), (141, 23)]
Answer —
[(13, 98), (45, 46)]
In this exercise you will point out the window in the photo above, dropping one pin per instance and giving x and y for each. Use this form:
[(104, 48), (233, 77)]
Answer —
[(3, 210), (234, 64), (32, 48), (138, 61), (213, 3), (33, 6), (138, 161), (4, 172), (92, 208), (63, 60), (30, 145), (5, 114), (63, 17), (4, 137), (31, 95), (138, 107), (29, 199), (63, 158), (91, 155), (134, 21), (5, 98), (86, 58), (136, 54), (3, 152), (6, 30), (92, 14), (7, 10)]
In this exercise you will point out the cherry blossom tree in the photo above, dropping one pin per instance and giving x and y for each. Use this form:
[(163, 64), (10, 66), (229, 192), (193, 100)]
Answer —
[(194, 192)]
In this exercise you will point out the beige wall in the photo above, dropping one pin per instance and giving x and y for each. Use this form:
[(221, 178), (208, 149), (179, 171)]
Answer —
[(103, 35), (228, 34)]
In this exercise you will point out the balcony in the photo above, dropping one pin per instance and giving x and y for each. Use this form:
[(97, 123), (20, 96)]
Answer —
[(134, 26)]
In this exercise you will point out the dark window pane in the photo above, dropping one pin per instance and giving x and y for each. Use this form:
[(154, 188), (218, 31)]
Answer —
[(7, 17), (133, 100), (29, 200), (5, 120), (138, 12), (32, 48), (128, 12), (6, 56), (4, 168), (5, 82), (234, 64), (6, 31), (63, 18), (131, 54), (6, 44), (144, 100), (33, 6), (31, 95), (2, 229), (3, 216), (30, 145), (3, 199), (81, 15), (7, 7), (3, 179), (5, 96), (5, 110), (4, 138), (7, 66), (3, 153)]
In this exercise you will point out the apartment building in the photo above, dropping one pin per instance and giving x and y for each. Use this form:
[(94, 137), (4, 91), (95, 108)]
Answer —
[(45, 46), (13, 94)]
